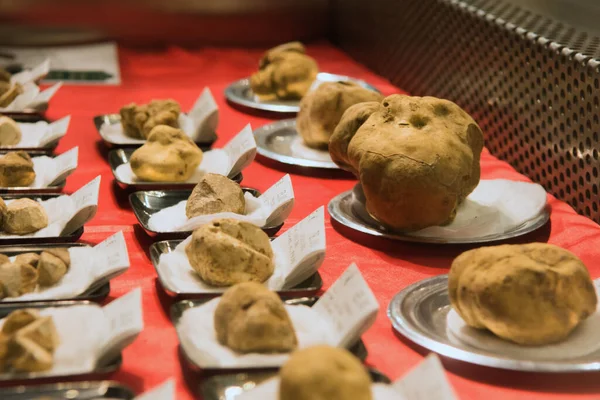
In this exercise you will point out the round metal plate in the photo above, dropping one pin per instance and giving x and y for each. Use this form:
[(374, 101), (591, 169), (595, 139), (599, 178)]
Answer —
[(419, 313), (275, 142), (239, 92), (341, 210)]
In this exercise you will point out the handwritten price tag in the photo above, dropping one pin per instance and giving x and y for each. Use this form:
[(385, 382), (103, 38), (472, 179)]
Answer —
[(280, 200), (426, 381), (241, 150), (205, 117), (65, 163), (125, 321), (113, 251)]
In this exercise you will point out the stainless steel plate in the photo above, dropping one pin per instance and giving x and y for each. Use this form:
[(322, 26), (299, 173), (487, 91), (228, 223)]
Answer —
[(89, 390), (38, 240), (342, 209), (119, 157), (229, 386), (419, 313), (110, 119), (24, 189), (178, 308), (279, 141), (307, 288), (146, 203), (28, 115), (33, 151), (239, 93)]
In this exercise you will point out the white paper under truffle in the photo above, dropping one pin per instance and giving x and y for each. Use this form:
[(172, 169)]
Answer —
[(41, 134)]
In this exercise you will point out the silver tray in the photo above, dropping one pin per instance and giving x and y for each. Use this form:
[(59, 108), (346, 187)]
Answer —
[(177, 309), (88, 390), (419, 313), (146, 203), (100, 120), (27, 115), (227, 387), (342, 211), (239, 93), (119, 157), (274, 141), (102, 371), (97, 293), (33, 151), (307, 288), (24, 189), (38, 240)]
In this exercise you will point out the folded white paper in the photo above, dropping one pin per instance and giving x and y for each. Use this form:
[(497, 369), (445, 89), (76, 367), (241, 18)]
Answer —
[(336, 319), (90, 267), (228, 161), (200, 123), (90, 333), (41, 134), (581, 342), (427, 381), (32, 98), (32, 75), (269, 209), (166, 391), (66, 213), (299, 253), (50, 171)]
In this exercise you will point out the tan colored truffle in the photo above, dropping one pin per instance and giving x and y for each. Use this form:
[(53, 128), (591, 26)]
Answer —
[(62, 253), (322, 109), (4, 258), (18, 320), (51, 269), (28, 258), (10, 133), (324, 373), (5, 75), (9, 92), (417, 158), (227, 251), (41, 331), (215, 194), (169, 155), (3, 209), (139, 120), (286, 72), (16, 169), (30, 356), (18, 279), (532, 294), (25, 216), (250, 318)]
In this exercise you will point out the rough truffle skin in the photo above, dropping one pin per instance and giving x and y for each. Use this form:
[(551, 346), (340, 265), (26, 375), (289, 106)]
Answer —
[(324, 373), (227, 251), (24, 216), (139, 120), (215, 194), (16, 169), (532, 294), (251, 319), (285, 72), (322, 109), (169, 155), (417, 158), (9, 92), (10, 132)]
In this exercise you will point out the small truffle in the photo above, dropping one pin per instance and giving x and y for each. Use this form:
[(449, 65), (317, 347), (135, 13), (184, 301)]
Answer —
[(28, 258), (18, 279), (5, 75), (18, 320), (10, 133), (41, 331), (62, 253), (227, 251), (169, 155), (139, 120), (51, 269), (16, 169), (532, 294), (9, 92), (250, 318), (215, 194), (3, 209), (25, 216), (29, 356), (4, 258), (324, 373)]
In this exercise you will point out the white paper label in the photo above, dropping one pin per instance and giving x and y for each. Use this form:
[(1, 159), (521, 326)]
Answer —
[(280, 200), (32, 75), (241, 150), (166, 391), (350, 305), (55, 131), (205, 116), (65, 163), (40, 102), (426, 381), (113, 253), (86, 205)]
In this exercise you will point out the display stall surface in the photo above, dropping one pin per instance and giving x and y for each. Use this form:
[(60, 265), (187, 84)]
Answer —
[(388, 267)]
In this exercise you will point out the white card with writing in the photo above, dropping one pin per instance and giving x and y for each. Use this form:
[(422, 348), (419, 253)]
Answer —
[(299, 253), (85, 201), (33, 74), (266, 210), (41, 134), (241, 150), (350, 305), (166, 391), (65, 164), (426, 381)]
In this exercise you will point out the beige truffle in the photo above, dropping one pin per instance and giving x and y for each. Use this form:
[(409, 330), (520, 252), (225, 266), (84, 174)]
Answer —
[(25, 216), (417, 158), (3, 209), (227, 251), (10, 133), (169, 155), (139, 120), (9, 92), (41, 331), (29, 356), (16, 169), (322, 109), (18, 279), (28, 258), (4, 258), (286, 72), (532, 294), (215, 194), (18, 320), (250, 318), (324, 373), (51, 269), (5, 75), (62, 253)]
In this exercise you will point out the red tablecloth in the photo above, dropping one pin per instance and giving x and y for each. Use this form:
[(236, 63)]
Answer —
[(182, 75)]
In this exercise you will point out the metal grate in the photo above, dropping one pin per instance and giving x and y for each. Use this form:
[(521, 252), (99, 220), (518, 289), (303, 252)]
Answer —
[(534, 96)]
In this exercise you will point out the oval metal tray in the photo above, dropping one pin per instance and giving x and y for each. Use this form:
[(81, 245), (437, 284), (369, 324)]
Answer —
[(239, 93), (419, 312), (87, 390)]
